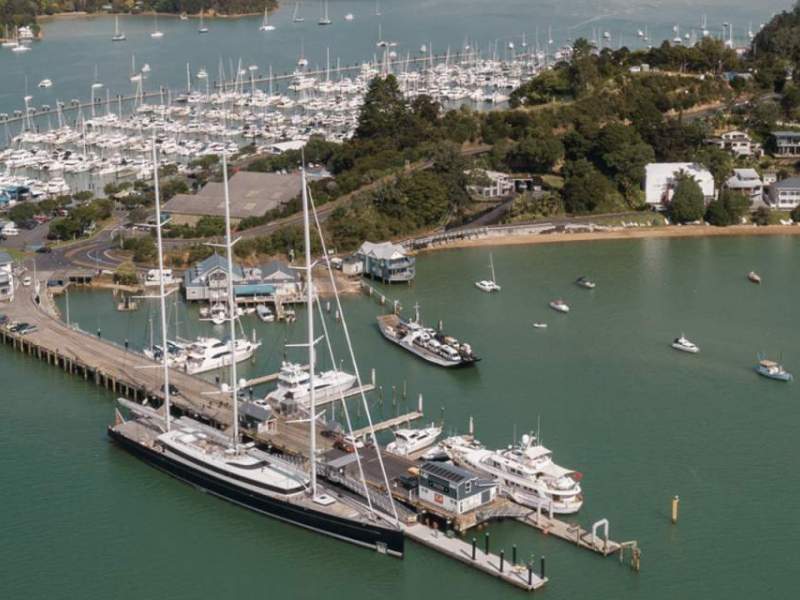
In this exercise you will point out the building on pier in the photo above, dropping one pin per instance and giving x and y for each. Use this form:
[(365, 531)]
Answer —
[(387, 262), (452, 489)]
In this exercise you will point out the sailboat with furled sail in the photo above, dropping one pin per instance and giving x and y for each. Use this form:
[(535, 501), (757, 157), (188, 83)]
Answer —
[(218, 462)]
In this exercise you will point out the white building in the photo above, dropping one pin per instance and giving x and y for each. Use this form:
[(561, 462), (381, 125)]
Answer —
[(738, 143), (746, 181), (785, 194), (497, 184), (661, 179), (6, 278)]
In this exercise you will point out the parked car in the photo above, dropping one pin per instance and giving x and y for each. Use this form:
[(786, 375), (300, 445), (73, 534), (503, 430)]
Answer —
[(44, 250), (24, 328), (27, 280), (173, 389)]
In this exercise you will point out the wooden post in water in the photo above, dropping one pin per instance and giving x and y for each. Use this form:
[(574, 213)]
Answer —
[(675, 504)]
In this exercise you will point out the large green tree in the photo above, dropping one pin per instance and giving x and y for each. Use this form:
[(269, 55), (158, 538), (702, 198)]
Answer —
[(688, 202)]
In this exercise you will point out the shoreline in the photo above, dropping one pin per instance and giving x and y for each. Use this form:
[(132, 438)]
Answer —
[(84, 15), (669, 231)]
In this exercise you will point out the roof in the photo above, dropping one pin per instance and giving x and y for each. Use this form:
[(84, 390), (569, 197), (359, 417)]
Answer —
[(254, 289), (746, 173), (278, 271), (215, 261), (786, 133), (382, 251), (251, 195), (451, 473), (788, 183)]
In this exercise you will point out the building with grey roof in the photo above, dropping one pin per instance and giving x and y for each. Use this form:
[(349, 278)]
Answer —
[(785, 194), (453, 489), (387, 262), (787, 143), (251, 195)]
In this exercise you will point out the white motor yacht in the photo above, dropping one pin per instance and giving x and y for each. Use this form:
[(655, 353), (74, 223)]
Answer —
[(208, 354), (526, 473), (293, 384), (560, 306), (409, 441), (683, 344), (265, 313)]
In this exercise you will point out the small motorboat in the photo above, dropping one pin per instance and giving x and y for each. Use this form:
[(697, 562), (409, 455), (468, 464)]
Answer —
[(487, 286), (772, 370), (265, 313), (560, 306), (585, 282), (540, 325), (683, 344), (754, 277), (45, 83)]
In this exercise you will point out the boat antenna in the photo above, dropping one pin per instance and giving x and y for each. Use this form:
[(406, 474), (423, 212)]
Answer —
[(310, 304), (231, 301), (538, 429), (161, 293)]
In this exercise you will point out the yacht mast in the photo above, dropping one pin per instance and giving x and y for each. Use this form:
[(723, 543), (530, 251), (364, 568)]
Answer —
[(161, 294), (231, 302), (311, 358)]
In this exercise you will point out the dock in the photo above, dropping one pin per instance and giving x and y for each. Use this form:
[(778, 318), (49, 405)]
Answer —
[(521, 576)]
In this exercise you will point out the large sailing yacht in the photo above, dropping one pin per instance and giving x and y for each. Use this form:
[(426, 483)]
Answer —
[(525, 472), (241, 473)]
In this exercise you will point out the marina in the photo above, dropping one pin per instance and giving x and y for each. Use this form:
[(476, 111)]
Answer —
[(233, 414)]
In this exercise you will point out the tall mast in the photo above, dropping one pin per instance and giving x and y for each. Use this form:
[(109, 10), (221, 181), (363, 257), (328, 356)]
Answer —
[(161, 294), (311, 357), (231, 302)]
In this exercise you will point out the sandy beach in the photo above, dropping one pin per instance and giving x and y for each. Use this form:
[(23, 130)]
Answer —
[(671, 231)]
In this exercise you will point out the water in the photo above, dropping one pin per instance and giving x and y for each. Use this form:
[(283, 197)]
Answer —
[(642, 422), (75, 49)]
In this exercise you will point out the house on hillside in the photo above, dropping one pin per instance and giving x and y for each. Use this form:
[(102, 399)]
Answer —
[(738, 143), (785, 194), (746, 181), (787, 143), (387, 262), (661, 179)]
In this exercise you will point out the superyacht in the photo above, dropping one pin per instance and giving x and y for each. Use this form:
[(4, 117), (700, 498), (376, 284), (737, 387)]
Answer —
[(525, 472)]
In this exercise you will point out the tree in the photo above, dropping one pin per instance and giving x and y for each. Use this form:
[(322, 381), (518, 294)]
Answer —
[(621, 154), (385, 112), (717, 215), (761, 216), (583, 73), (688, 202), (796, 214), (717, 161), (586, 189), (536, 154)]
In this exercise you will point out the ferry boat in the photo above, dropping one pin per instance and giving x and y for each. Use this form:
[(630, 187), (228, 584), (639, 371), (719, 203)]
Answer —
[(560, 306), (208, 353), (294, 384), (409, 441), (425, 342), (773, 370), (526, 472), (683, 344)]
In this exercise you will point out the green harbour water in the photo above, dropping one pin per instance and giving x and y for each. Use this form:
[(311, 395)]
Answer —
[(642, 422)]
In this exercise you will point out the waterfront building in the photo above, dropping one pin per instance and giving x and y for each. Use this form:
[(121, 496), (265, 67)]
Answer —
[(661, 179), (785, 194), (494, 184), (452, 489), (787, 143), (738, 143), (251, 195), (387, 262), (6, 278), (207, 281), (746, 181)]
